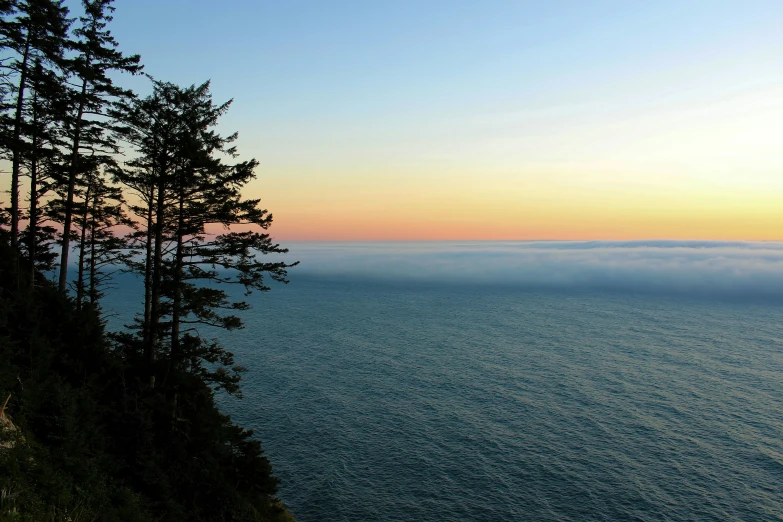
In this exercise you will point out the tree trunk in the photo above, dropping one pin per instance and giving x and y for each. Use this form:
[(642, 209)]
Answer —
[(148, 266), (16, 159), (32, 227), (156, 277), (93, 275), (82, 248), (32, 236), (178, 262), (71, 186)]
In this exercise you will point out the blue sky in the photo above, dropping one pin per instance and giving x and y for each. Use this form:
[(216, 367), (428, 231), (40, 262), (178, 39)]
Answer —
[(350, 101), (333, 61)]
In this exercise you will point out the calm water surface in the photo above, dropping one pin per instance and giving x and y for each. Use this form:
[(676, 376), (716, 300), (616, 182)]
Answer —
[(393, 403), (398, 401)]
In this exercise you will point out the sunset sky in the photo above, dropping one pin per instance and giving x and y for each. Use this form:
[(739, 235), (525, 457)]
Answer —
[(419, 119)]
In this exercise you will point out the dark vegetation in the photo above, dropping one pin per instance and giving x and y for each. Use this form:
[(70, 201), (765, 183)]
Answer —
[(120, 425)]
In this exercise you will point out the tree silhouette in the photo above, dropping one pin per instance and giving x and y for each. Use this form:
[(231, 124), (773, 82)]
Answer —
[(188, 187), (91, 95)]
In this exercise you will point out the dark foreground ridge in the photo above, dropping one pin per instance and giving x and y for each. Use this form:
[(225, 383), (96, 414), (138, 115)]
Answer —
[(83, 438)]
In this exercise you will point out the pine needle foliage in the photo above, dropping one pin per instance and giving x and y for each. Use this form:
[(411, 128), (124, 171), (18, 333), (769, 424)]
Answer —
[(121, 426)]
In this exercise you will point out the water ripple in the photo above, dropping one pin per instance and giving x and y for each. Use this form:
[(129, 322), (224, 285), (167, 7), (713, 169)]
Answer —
[(396, 403)]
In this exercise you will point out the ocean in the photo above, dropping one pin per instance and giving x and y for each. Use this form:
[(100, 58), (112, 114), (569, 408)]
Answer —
[(495, 381)]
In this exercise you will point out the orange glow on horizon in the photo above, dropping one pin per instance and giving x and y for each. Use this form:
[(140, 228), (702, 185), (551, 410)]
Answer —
[(551, 209)]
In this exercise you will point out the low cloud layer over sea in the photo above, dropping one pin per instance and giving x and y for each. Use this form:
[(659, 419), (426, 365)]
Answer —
[(735, 269)]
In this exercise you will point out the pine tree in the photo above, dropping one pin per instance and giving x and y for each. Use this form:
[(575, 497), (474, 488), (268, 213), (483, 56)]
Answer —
[(148, 125), (190, 189), (101, 211), (105, 444), (33, 32), (43, 165), (93, 92)]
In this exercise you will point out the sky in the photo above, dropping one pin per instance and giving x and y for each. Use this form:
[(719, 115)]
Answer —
[(429, 119)]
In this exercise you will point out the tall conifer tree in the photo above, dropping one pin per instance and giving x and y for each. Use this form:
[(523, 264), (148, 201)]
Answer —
[(33, 31), (43, 163), (93, 92), (100, 212), (189, 174)]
